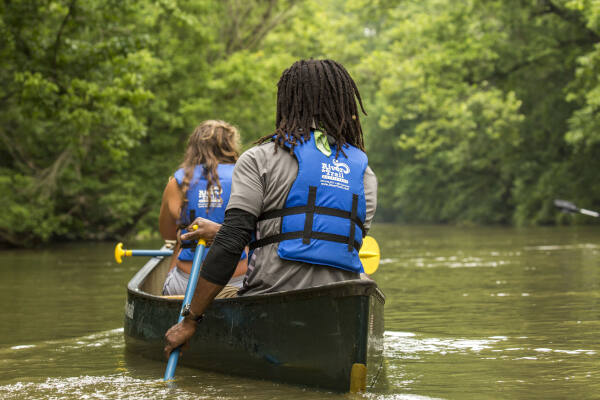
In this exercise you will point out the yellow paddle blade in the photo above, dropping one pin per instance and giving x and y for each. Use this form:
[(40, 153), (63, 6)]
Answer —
[(369, 255), (119, 253)]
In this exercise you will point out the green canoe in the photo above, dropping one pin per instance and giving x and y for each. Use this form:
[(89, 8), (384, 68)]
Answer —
[(329, 336)]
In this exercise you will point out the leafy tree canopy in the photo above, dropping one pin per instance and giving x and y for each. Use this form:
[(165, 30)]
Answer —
[(480, 111)]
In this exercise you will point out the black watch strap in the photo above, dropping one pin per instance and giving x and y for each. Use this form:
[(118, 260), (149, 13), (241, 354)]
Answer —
[(188, 314)]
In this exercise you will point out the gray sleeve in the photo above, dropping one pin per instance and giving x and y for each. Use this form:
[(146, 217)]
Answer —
[(370, 182), (247, 191)]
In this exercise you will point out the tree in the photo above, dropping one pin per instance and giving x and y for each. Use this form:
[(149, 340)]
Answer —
[(98, 97)]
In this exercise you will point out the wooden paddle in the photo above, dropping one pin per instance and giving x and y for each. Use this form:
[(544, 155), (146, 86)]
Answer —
[(187, 300)]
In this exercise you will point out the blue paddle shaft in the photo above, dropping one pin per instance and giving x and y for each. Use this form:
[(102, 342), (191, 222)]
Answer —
[(152, 253), (172, 364), (187, 299)]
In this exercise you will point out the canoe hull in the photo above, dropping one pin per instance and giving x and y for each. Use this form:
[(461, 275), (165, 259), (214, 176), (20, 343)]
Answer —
[(310, 337)]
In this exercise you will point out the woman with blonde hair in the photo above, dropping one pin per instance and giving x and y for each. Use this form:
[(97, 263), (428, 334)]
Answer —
[(198, 193)]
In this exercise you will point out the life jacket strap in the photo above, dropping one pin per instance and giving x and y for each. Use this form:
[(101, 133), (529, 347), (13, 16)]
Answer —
[(334, 212), (310, 214), (188, 244), (352, 218), (310, 209), (331, 237)]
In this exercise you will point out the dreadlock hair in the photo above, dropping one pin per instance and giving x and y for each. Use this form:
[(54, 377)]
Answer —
[(212, 143), (317, 94)]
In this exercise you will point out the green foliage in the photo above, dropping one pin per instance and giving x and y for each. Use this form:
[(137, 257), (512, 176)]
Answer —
[(479, 111), (484, 110), (99, 97)]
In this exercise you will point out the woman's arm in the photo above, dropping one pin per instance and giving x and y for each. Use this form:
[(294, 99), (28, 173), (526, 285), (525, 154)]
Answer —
[(169, 210), (218, 267)]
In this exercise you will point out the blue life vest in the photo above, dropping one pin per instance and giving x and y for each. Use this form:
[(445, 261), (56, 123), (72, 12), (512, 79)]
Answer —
[(197, 202), (323, 217)]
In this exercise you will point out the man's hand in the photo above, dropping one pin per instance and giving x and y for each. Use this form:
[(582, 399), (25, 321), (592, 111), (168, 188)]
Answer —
[(178, 335), (207, 230)]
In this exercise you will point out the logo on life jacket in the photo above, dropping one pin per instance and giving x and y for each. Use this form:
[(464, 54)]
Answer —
[(215, 198), (333, 174)]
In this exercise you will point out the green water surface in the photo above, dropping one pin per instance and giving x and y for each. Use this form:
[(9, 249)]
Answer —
[(471, 313)]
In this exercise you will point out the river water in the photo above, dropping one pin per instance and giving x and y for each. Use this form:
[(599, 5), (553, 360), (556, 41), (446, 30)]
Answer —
[(471, 313)]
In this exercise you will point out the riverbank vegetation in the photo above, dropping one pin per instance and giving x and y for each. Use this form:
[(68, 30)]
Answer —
[(479, 111)]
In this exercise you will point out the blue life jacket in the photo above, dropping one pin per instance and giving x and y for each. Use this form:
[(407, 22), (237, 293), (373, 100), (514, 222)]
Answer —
[(197, 203), (323, 217)]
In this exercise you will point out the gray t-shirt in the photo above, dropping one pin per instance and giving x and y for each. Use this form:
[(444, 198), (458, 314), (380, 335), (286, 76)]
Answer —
[(261, 181)]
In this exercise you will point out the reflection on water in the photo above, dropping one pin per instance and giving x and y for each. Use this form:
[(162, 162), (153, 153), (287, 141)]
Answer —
[(409, 345), (471, 313)]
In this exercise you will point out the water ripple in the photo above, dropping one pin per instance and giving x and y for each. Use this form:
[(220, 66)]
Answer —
[(457, 262), (408, 345), (96, 387), (589, 246), (98, 339), (401, 344)]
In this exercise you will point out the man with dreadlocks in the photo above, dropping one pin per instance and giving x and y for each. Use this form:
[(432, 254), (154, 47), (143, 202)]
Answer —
[(303, 198)]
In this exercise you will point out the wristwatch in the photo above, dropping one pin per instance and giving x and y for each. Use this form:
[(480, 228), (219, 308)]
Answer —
[(188, 314)]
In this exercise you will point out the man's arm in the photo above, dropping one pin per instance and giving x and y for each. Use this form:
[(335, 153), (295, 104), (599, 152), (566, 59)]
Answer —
[(370, 183), (217, 269), (245, 204), (230, 242)]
